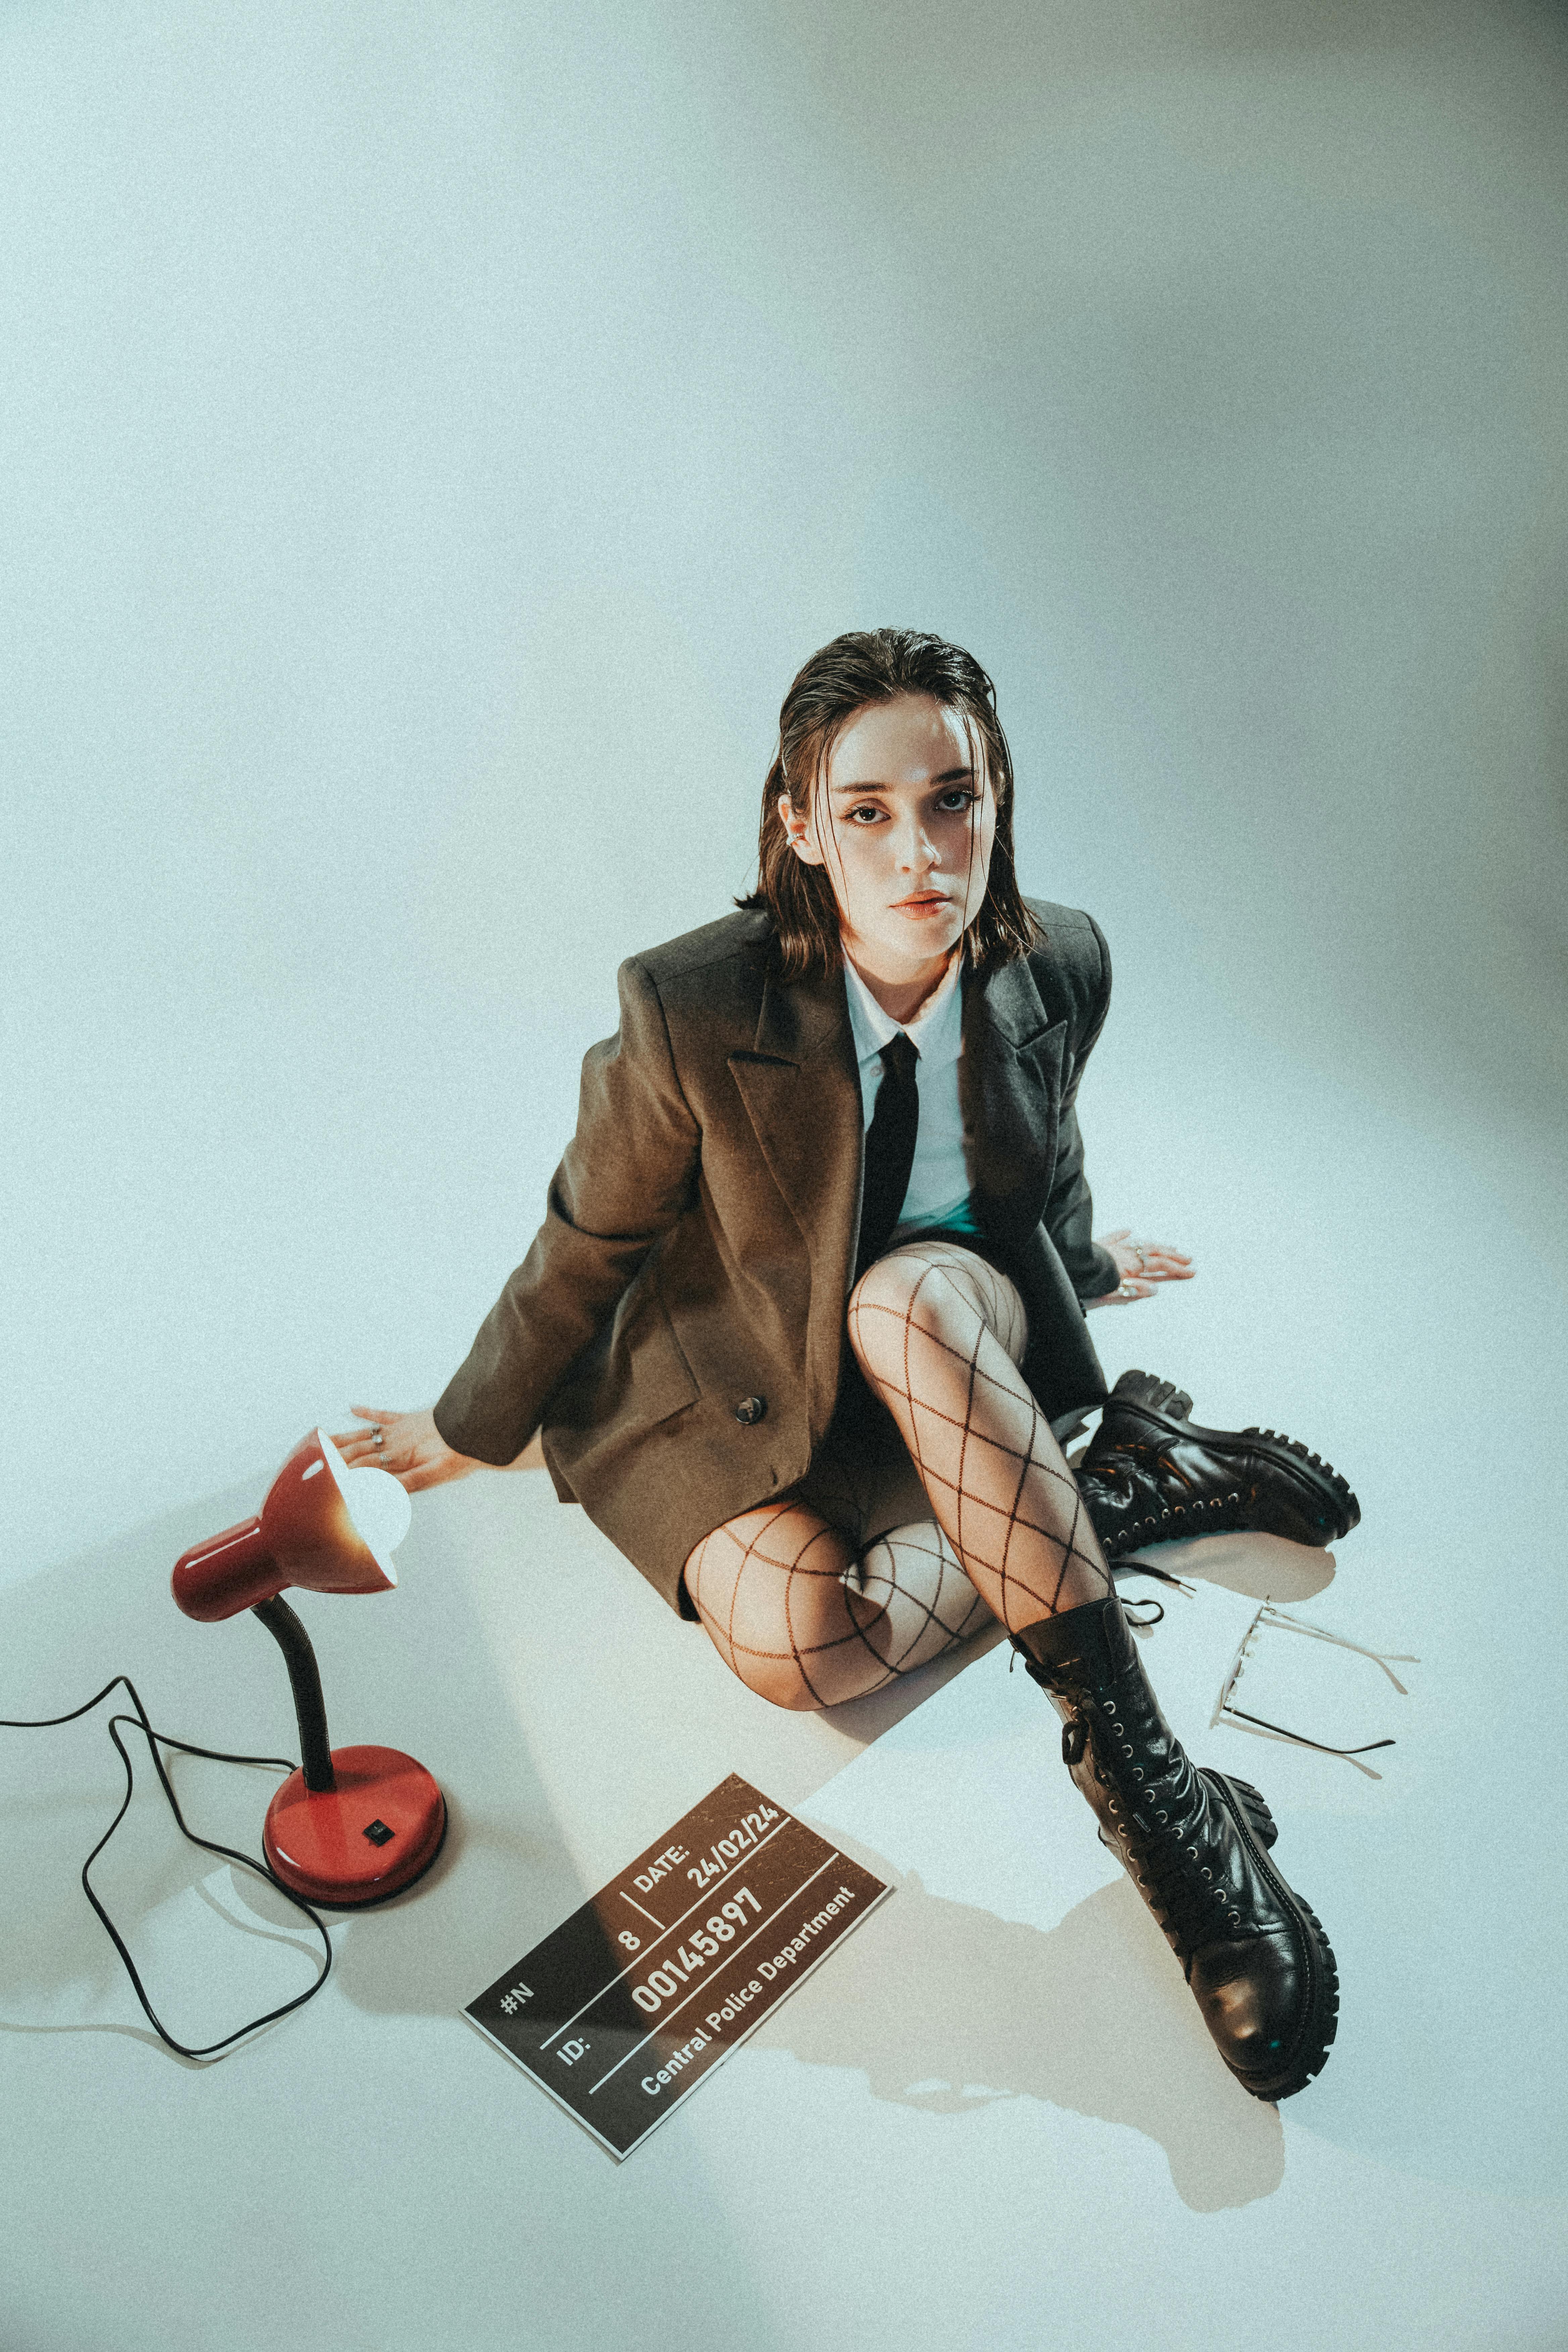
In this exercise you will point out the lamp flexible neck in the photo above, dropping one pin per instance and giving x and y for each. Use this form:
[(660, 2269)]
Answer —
[(305, 1681)]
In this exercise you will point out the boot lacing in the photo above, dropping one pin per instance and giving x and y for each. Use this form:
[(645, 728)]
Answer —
[(1174, 1521), (1182, 1891)]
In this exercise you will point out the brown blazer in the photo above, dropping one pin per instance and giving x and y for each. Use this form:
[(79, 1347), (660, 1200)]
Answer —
[(695, 1258)]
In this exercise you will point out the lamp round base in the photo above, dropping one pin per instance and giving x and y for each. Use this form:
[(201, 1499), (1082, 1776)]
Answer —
[(374, 1835)]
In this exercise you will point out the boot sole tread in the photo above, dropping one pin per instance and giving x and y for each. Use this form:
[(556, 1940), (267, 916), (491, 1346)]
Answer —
[(1130, 1403), (1311, 2054)]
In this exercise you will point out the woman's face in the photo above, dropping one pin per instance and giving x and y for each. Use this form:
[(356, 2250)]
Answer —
[(903, 822)]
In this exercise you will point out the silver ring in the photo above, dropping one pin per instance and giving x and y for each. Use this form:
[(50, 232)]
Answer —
[(1143, 1261), (378, 1435)]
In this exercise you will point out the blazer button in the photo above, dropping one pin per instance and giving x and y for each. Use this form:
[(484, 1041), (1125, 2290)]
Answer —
[(751, 1409)]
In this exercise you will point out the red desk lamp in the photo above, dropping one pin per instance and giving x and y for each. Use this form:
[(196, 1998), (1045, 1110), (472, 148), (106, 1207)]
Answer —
[(354, 1824)]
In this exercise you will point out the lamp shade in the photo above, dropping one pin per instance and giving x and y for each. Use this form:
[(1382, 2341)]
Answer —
[(323, 1527)]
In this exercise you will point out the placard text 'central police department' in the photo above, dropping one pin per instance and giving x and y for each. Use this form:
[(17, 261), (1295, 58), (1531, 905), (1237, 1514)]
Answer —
[(621, 2012)]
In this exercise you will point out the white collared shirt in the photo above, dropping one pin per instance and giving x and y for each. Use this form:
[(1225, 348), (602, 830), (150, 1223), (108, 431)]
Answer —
[(939, 1181)]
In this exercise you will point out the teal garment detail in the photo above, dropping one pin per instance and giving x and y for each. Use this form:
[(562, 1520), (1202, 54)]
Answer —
[(961, 1220)]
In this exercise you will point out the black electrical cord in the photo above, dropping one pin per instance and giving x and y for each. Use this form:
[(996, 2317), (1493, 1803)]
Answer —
[(155, 1740)]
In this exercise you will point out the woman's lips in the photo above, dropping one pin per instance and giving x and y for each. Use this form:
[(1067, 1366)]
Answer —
[(923, 902)]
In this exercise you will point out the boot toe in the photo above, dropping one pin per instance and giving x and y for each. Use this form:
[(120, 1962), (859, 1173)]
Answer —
[(1279, 1505), (1269, 2005)]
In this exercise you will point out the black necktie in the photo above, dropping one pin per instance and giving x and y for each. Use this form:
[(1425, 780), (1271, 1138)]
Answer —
[(890, 1150)]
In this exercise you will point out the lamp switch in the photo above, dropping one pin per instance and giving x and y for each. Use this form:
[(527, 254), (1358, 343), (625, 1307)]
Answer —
[(378, 1833)]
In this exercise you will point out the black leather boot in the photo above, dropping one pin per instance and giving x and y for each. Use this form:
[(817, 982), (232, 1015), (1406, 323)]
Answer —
[(1194, 1843), (1150, 1475)]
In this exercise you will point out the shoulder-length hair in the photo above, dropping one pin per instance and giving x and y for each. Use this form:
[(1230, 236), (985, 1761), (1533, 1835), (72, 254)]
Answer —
[(868, 666)]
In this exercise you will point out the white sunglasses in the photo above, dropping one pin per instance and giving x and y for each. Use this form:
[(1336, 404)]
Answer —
[(1269, 1615)]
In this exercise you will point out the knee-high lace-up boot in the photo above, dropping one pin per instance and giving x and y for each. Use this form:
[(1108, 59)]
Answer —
[(1196, 1844), (1153, 1474)]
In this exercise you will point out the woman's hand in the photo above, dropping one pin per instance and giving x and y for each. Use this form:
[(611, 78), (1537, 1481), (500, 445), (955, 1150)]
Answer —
[(410, 1445), (1140, 1265)]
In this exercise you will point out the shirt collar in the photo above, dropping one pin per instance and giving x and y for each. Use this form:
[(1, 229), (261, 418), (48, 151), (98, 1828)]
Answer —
[(936, 1034)]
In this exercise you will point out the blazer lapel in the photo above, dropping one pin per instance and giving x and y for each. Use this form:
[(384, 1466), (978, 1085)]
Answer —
[(1010, 1086), (802, 1093)]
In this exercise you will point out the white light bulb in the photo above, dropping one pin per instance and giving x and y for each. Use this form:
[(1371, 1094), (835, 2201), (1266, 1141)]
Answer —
[(377, 1505), (380, 1509)]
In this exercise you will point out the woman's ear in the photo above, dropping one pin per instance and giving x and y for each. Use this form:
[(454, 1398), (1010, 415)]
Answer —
[(798, 831)]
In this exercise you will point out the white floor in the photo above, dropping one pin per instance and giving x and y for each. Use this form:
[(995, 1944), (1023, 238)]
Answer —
[(993, 2118), (436, 433)]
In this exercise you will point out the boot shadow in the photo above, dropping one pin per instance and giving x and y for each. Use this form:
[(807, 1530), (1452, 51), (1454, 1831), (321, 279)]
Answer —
[(944, 2007), (1264, 1567)]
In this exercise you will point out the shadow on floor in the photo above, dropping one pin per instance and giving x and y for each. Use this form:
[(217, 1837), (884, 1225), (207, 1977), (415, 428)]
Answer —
[(1264, 1567), (944, 2007)]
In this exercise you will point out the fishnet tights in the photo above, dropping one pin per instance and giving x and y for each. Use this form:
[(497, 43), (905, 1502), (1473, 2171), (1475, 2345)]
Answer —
[(805, 1612), (797, 1613), (924, 1330)]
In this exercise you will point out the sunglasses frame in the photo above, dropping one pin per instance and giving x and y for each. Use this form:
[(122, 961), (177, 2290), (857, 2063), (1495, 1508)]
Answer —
[(1268, 1614)]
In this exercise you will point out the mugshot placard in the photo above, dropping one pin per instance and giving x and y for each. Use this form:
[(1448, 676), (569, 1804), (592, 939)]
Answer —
[(623, 2008)]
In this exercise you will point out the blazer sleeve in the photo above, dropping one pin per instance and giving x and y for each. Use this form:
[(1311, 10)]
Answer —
[(625, 1178), (1069, 1206)]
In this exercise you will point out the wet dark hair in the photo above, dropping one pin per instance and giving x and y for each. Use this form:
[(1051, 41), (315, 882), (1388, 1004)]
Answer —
[(870, 665)]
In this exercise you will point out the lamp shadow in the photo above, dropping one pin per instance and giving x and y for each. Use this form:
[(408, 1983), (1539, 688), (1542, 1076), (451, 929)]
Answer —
[(216, 1943), (946, 2008), (56, 1952), (496, 1886)]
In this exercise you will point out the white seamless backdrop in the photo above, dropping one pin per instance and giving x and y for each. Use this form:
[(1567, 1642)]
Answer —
[(433, 435)]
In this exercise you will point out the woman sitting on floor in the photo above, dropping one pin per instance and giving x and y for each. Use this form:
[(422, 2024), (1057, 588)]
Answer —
[(803, 1330)]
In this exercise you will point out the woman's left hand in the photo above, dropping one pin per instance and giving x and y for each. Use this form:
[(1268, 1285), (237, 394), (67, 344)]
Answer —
[(1141, 1264), (407, 1445)]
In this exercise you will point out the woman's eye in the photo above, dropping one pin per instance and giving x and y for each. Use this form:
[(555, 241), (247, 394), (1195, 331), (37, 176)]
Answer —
[(960, 797), (867, 809)]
